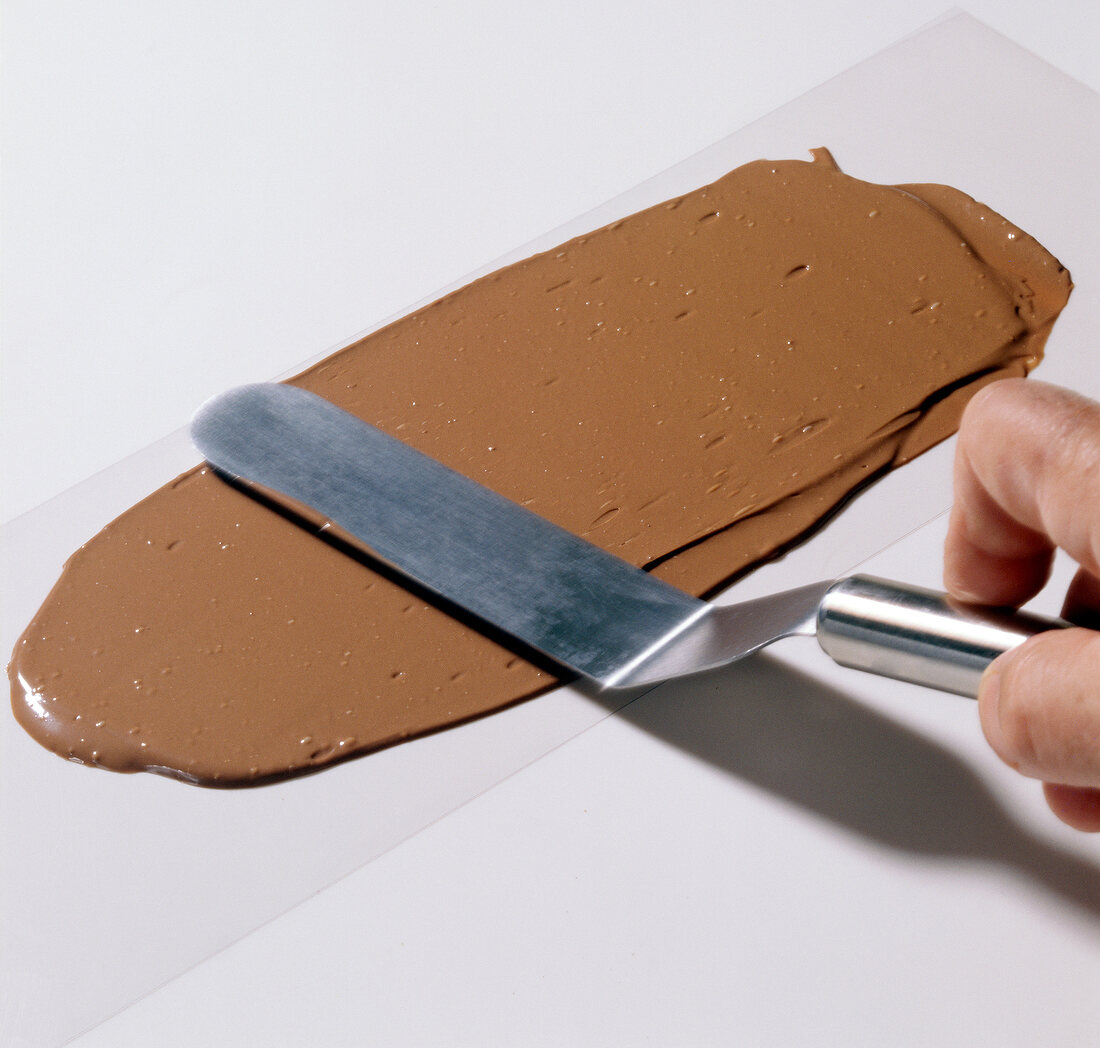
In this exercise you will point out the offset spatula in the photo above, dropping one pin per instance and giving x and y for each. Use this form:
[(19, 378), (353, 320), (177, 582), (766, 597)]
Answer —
[(584, 608)]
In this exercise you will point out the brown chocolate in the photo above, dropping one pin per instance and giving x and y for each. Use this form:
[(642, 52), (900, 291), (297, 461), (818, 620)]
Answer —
[(692, 388)]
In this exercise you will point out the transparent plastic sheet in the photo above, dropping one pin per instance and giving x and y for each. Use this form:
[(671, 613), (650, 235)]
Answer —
[(114, 884)]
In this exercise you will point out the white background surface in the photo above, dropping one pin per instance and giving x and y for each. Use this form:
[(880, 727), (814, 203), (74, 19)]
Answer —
[(210, 194)]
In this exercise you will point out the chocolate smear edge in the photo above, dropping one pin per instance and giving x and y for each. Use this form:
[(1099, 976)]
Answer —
[(695, 388)]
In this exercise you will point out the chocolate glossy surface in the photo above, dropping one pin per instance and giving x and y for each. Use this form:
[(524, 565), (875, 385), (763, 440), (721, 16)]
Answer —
[(693, 388)]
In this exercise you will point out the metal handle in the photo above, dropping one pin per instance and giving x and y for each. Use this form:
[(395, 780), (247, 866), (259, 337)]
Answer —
[(918, 635)]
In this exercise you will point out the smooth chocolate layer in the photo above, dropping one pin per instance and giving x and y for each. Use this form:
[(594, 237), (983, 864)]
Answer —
[(692, 388)]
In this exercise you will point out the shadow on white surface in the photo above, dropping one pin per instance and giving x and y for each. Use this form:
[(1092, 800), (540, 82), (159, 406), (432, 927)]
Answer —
[(815, 746)]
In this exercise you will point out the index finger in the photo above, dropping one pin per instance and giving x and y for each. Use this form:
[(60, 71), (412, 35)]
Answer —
[(1027, 480)]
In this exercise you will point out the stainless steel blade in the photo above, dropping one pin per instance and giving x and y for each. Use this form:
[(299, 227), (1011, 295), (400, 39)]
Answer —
[(563, 596)]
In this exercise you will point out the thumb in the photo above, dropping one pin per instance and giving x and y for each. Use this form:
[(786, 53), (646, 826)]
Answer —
[(1078, 806), (1040, 707)]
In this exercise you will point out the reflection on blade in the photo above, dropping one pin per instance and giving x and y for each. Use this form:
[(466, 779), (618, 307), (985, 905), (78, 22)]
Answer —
[(561, 595)]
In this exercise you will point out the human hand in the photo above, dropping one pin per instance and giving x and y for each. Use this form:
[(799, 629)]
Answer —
[(1027, 480)]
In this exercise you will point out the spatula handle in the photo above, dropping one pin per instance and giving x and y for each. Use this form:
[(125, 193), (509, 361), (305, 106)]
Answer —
[(918, 635)]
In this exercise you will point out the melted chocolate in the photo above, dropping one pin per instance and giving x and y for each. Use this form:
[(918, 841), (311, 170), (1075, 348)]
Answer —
[(692, 388)]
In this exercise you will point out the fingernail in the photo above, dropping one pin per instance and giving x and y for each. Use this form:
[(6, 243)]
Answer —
[(989, 708), (989, 687)]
